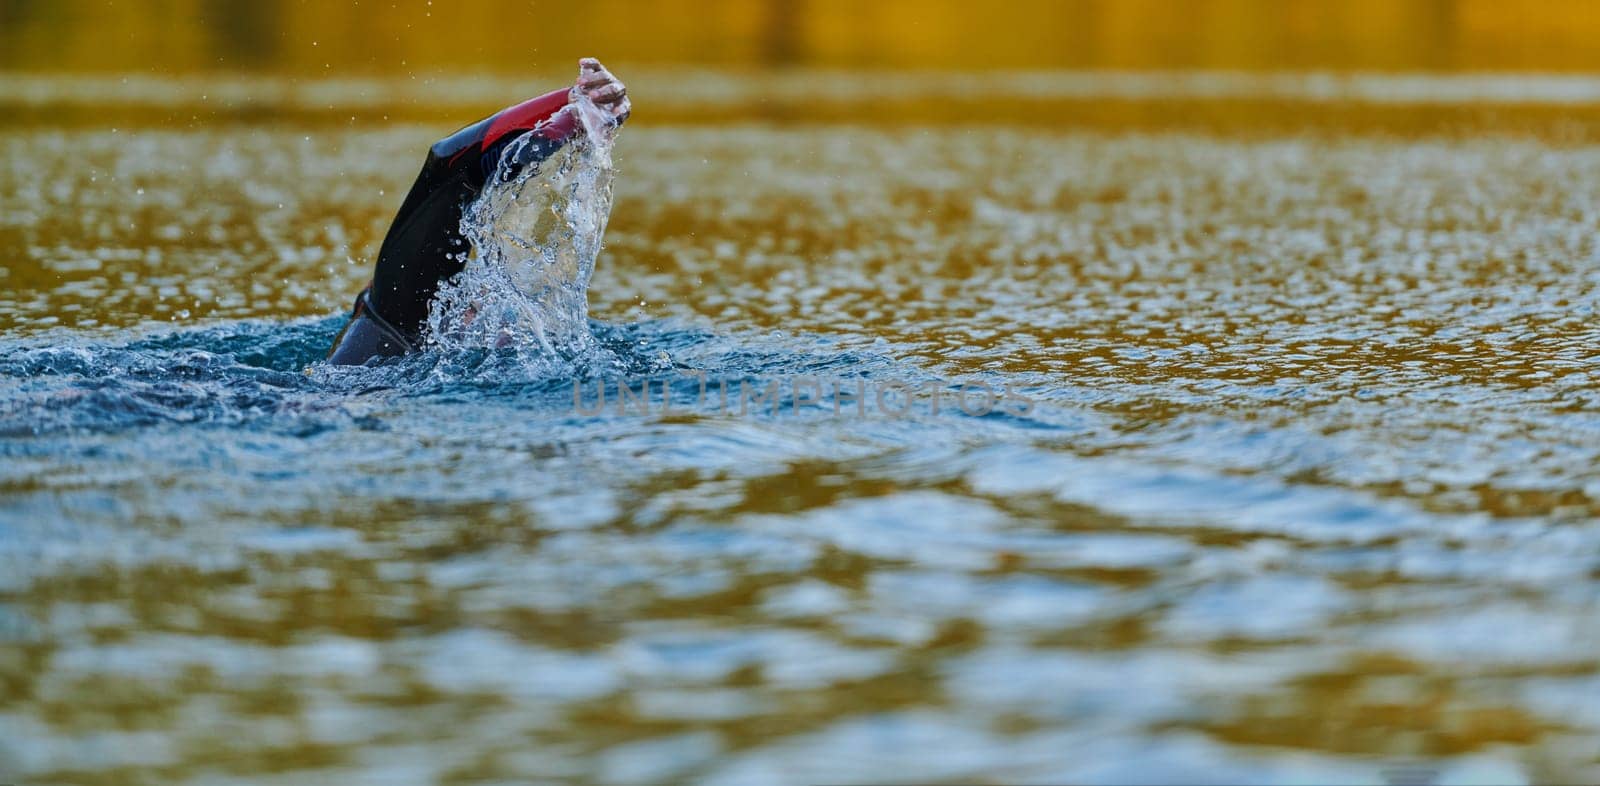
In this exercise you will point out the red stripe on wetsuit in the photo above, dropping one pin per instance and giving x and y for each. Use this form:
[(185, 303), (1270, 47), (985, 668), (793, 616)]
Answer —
[(529, 114)]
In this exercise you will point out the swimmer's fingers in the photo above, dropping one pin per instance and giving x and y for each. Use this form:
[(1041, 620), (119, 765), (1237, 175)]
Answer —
[(603, 88), (609, 93), (592, 74)]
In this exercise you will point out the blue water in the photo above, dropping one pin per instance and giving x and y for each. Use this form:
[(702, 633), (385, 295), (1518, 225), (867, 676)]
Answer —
[(214, 502)]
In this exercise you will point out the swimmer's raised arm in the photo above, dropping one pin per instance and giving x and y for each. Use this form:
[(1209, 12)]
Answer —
[(424, 246)]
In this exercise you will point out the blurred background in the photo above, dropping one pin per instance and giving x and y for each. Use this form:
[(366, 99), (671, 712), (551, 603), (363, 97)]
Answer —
[(301, 36)]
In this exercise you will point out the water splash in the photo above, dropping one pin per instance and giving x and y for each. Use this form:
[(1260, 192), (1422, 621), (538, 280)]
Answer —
[(535, 232)]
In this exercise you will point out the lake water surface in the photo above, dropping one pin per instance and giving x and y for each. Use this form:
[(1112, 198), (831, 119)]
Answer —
[(1291, 471)]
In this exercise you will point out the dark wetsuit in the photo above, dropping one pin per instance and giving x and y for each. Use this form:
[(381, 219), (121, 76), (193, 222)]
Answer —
[(424, 246)]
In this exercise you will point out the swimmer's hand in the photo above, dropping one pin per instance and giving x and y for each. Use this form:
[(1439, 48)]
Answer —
[(603, 89)]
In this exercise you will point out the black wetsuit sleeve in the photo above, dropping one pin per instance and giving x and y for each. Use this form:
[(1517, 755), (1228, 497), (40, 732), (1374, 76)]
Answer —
[(424, 246)]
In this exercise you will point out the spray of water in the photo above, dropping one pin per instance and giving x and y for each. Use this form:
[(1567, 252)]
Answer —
[(535, 233)]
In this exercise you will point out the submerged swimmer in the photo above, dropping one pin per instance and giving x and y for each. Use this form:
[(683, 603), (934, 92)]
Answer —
[(424, 246)]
